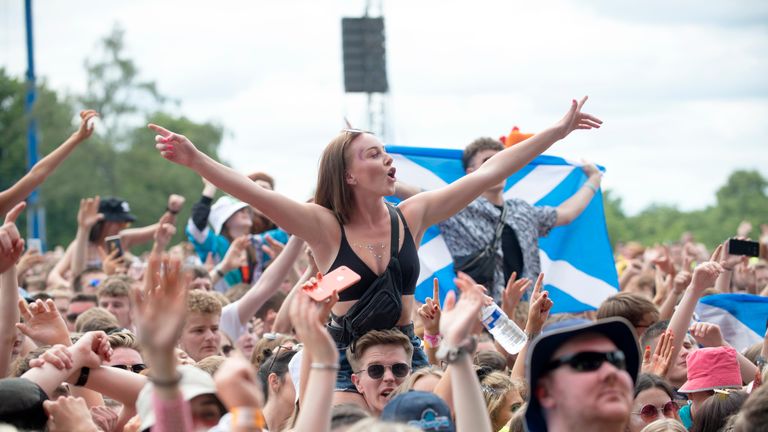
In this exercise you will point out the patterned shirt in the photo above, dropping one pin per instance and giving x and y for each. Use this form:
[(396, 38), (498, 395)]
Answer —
[(473, 228)]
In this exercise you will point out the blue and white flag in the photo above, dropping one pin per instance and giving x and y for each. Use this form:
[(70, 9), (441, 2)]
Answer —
[(741, 317), (576, 259)]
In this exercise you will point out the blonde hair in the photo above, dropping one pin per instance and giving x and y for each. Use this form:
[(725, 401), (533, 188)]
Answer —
[(496, 386), (203, 302), (124, 339), (409, 382), (96, 318), (264, 348), (665, 425), (210, 364)]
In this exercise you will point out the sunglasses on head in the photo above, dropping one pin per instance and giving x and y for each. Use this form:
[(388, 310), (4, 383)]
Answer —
[(651, 412), (135, 368), (361, 131), (376, 371), (590, 361), (276, 354)]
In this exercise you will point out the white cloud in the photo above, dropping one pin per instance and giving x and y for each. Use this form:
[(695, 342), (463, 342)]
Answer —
[(681, 86)]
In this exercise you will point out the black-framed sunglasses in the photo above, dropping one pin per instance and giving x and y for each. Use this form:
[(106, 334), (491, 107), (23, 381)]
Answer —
[(137, 368), (589, 361), (376, 371)]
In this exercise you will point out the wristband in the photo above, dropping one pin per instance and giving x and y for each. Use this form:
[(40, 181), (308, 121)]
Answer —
[(218, 271), (324, 366), (83, 378), (591, 186), (173, 382), (432, 340), (168, 209), (247, 417)]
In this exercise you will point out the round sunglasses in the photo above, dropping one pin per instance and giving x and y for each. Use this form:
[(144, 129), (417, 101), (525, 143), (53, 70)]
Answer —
[(589, 361), (651, 412), (376, 371)]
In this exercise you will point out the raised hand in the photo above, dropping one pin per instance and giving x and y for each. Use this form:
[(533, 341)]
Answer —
[(91, 350), (88, 213), (308, 318), (458, 318), (705, 274), (236, 256), (658, 363), (86, 125), (162, 309), (104, 418), (681, 281), (57, 355), (112, 264), (69, 413), (512, 294), (43, 323), (575, 119), (174, 147), (176, 202), (728, 261), (29, 259), (11, 243), (707, 334), (430, 311), (539, 309), (164, 232), (237, 384), (273, 247)]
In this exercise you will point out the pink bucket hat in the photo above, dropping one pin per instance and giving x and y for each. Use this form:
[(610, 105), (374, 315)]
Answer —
[(712, 368)]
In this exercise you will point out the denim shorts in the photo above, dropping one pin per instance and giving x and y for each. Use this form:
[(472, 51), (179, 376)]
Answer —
[(344, 376)]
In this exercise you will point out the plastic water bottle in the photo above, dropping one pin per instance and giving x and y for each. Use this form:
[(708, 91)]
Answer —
[(503, 329)]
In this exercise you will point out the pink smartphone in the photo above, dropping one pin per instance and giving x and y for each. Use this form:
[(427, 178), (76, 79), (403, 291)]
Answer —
[(337, 280)]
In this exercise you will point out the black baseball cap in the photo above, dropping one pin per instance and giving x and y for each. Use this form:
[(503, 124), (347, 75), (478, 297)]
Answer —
[(116, 210), (22, 404)]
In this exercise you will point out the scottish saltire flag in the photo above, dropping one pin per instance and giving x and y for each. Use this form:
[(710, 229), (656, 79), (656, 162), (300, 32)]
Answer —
[(576, 259), (741, 317)]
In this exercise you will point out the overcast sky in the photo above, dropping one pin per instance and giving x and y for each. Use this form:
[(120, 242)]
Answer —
[(681, 85)]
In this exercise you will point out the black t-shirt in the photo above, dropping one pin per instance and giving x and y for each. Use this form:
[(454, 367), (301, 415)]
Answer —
[(510, 248)]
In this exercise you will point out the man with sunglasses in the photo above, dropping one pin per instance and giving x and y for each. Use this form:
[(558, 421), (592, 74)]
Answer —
[(581, 375), (380, 361)]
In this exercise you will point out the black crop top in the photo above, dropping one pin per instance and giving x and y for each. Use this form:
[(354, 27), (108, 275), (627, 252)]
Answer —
[(409, 262)]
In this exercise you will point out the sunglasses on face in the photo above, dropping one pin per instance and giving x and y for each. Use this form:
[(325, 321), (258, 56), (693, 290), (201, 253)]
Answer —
[(590, 361), (650, 412), (376, 371), (135, 368), (72, 317)]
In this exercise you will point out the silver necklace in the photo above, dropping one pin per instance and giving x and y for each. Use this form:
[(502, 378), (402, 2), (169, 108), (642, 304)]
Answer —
[(373, 248)]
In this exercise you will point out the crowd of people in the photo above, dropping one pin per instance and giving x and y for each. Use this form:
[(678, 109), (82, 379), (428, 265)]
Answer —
[(220, 332)]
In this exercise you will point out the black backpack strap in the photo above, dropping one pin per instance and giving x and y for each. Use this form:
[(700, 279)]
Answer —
[(394, 244)]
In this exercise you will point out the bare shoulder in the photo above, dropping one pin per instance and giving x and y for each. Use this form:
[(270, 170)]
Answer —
[(413, 211)]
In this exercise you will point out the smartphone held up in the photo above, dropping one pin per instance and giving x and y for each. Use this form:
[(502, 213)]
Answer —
[(337, 280)]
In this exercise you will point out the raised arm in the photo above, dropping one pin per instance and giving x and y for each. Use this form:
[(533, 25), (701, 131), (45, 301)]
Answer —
[(21, 189), (568, 211), (270, 280), (437, 205), (304, 220), (87, 216), (456, 324), (704, 276), (11, 247)]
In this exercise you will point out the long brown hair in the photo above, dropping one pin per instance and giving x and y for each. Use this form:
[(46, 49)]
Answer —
[(332, 191)]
